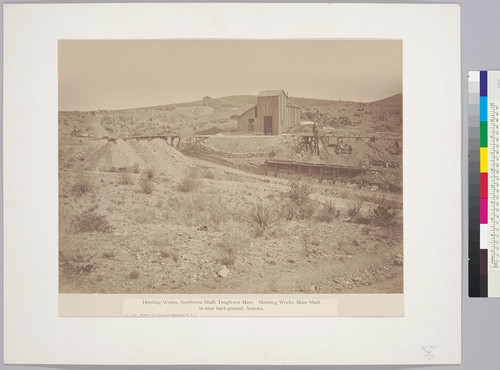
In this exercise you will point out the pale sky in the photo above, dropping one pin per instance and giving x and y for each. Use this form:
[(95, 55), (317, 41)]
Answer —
[(140, 73)]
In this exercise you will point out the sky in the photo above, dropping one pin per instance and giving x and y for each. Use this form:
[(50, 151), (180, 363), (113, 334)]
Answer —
[(113, 74)]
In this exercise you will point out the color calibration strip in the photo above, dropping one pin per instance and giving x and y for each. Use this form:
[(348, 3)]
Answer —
[(484, 184)]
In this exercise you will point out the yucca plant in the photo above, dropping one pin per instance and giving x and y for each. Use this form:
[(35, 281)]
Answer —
[(263, 216)]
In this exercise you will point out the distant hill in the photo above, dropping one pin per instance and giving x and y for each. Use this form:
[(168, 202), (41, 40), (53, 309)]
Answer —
[(309, 102), (384, 115), (236, 100), (243, 102), (395, 100)]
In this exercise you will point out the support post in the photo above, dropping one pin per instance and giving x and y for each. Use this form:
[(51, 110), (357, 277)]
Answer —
[(321, 174), (276, 170)]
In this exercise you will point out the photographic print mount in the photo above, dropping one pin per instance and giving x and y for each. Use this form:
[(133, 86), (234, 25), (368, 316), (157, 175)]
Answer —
[(431, 321)]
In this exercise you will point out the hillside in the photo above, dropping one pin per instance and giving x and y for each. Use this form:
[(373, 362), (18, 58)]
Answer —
[(140, 215), (191, 117), (395, 101)]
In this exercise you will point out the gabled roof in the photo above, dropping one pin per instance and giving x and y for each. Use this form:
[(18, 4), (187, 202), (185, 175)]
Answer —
[(271, 92), (248, 110)]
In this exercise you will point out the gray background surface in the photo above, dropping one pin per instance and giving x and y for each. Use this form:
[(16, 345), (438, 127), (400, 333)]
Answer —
[(480, 36)]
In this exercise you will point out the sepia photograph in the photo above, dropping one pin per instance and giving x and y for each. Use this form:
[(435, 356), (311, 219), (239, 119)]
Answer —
[(242, 167)]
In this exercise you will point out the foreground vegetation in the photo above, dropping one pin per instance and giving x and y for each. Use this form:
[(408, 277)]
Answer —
[(141, 233)]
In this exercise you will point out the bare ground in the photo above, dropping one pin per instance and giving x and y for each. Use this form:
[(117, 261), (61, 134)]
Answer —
[(169, 242), (189, 226)]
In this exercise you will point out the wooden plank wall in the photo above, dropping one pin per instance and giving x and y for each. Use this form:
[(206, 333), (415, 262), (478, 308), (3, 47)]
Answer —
[(282, 126), (293, 116), (267, 106), (243, 120), (284, 116)]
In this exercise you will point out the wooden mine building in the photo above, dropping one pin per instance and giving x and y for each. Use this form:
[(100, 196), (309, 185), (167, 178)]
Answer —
[(273, 114), (210, 102)]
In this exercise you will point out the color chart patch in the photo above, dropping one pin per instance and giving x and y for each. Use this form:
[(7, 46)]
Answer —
[(484, 184)]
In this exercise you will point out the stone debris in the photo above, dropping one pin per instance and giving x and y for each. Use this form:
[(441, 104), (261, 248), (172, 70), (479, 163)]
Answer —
[(399, 260), (142, 154), (223, 272)]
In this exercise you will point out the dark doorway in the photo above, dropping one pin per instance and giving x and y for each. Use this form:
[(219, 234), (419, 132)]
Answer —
[(268, 125), (251, 124)]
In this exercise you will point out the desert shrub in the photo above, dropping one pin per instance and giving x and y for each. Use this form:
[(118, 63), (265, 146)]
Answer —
[(82, 186), (170, 253), (289, 211), (299, 192), (89, 221), (347, 246), (188, 185), (383, 215), (305, 211), (315, 241), (264, 216), (145, 181), (133, 275), (355, 215), (305, 241), (148, 173), (109, 254), (218, 214), (227, 260), (135, 168), (354, 211), (146, 186), (209, 174), (76, 264), (234, 239), (126, 179), (327, 213), (200, 203)]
